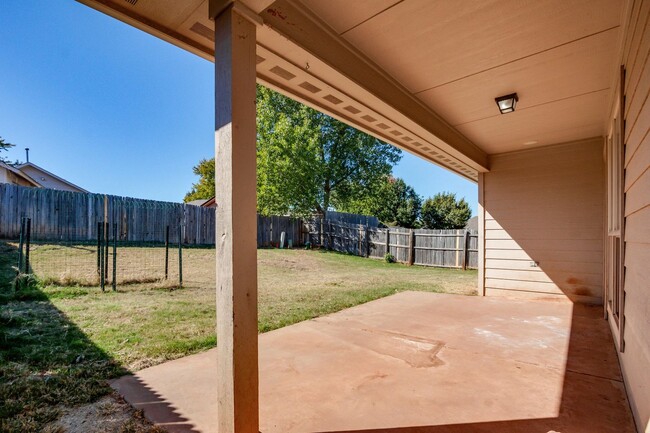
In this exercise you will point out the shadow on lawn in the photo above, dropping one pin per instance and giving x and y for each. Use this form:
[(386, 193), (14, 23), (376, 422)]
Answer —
[(46, 362)]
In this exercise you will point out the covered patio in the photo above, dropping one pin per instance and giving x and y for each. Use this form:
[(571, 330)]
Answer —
[(414, 362), (564, 209)]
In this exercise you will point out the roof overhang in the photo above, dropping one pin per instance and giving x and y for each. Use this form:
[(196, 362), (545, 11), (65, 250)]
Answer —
[(423, 75)]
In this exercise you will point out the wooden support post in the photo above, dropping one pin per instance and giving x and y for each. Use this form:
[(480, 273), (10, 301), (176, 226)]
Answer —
[(465, 240), (236, 243), (411, 247)]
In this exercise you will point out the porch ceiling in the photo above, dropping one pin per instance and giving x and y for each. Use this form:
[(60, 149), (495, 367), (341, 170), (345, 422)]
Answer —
[(423, 74)]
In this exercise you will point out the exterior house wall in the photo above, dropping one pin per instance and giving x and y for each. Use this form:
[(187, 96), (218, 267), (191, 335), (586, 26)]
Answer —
[(542, 217), (48, 181), (635, 359)]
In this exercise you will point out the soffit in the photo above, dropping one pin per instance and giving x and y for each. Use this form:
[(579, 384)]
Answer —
[(452, 58), (456, 57)]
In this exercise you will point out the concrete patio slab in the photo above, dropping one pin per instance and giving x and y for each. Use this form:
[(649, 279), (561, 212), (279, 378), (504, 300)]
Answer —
[(414, 363)]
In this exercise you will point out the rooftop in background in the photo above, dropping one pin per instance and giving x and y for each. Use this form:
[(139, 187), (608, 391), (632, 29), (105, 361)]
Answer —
[(47, 179)]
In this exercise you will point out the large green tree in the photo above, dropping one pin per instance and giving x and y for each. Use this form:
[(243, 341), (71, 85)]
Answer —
[(4, 146), (392, 201), (204, 188), (444, 211), (308, 162)]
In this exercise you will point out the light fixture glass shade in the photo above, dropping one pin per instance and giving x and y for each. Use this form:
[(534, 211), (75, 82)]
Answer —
[(507, 103)]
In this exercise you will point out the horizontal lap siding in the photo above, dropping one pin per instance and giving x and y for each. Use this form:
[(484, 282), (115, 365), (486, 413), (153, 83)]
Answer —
[(636, 357), (545, 206)]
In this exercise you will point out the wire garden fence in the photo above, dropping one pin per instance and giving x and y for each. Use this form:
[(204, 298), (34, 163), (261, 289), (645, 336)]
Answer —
[(107, 261)]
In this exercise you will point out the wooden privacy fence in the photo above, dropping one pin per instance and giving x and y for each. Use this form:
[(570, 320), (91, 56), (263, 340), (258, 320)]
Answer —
[(440, 248), (73, 216), (64, 216)]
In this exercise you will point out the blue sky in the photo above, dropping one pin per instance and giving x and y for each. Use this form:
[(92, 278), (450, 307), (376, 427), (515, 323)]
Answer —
[(118, 111)]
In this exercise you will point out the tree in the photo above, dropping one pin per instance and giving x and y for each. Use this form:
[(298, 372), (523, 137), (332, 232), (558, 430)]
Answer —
[(204, 188), (308, 162), (443, 211), (4, 146), (392, 201)]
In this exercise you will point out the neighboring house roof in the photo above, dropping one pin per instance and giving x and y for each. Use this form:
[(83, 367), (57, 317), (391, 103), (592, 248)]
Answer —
[(19, 173), (210, 202), (42, 181), (197, 202), (472, 223)]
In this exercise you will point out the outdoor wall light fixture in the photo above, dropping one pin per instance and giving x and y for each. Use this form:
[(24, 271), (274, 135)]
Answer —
[(507, 103)]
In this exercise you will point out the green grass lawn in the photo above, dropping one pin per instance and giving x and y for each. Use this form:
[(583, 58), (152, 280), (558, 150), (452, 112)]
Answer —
[(58, 345)]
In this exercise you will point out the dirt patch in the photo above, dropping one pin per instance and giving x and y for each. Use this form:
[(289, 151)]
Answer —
[(110, 414)]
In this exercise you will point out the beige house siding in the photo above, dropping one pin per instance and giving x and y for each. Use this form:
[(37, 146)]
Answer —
[(543, 222), (635, 359)]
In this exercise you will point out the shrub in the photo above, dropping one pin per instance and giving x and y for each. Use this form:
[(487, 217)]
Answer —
[(389, 258), (24, 282)]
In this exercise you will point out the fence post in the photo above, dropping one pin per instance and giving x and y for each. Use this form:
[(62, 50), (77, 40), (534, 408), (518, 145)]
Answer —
[(320, 232), (100, 236), (359, 231), (387, 240), (465, 239), (107, 232), (411, 246), (166, 252), (99, 248), (28, 238), (20, 244), (366, 232), (180, 258), (329, 234), (114, 257)]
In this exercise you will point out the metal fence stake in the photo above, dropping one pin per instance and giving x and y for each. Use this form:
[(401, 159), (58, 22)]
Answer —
[(21, 244), (27, 242)]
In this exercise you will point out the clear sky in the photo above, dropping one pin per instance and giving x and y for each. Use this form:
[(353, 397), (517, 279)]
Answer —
[(115, 110)]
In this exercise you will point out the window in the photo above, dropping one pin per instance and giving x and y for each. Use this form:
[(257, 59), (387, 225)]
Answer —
[(615, 245)]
